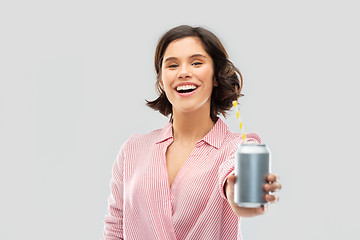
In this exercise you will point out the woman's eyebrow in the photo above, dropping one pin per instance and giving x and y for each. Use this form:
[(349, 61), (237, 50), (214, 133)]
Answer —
[(170, 59), (197, 55), (192, 56)]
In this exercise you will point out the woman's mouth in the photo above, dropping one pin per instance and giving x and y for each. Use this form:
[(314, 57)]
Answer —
[(186, 90)]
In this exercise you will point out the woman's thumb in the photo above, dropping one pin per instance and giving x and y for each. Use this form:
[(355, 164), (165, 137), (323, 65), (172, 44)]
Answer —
[(231, 179)]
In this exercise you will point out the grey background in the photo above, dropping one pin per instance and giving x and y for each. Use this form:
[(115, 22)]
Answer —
[(74, 76)]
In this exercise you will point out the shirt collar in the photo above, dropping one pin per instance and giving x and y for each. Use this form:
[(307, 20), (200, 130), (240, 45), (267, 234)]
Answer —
[(214, 138), (165, 133), (217, 134)]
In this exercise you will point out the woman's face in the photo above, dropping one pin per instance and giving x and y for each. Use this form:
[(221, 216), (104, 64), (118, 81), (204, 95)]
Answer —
[(187, 75)]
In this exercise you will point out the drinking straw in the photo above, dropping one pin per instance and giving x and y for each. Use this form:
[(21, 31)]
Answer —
[(235, 104)]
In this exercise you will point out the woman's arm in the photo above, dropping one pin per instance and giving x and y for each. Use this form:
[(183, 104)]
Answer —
[(113, 229)]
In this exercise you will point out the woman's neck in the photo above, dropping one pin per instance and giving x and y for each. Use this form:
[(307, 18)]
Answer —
[(189, 128)]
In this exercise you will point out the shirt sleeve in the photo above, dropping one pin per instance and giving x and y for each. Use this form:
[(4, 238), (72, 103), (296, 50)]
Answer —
[(227, 167), (113, 229)]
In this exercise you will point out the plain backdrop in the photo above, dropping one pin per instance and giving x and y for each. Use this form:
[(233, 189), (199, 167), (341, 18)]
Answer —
[(74, 76)]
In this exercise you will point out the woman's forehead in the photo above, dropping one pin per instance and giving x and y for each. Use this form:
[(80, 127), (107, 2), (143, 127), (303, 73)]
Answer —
[(185, 47)]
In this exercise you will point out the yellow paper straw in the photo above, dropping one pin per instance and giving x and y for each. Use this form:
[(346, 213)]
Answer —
[(243, 135)]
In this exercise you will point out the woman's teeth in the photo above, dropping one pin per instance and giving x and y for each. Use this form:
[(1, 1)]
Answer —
[(185, 88)]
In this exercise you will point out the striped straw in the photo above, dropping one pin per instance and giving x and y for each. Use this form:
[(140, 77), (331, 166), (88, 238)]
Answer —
[(235, 104)]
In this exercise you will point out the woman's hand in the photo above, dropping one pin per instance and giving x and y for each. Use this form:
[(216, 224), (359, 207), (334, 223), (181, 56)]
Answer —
[(272, 186)]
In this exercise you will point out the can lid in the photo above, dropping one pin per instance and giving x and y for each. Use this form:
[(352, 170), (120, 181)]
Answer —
[(253, 148)]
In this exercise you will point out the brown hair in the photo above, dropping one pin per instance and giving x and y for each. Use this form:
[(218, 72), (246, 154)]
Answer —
[(227, 76)]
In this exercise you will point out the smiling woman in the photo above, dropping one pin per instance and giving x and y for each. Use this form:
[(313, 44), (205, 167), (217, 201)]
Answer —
[(177, 182), (187, 78), (227, 78)]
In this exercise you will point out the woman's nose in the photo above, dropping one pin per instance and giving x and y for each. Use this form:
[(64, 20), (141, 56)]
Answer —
[(184, 72)]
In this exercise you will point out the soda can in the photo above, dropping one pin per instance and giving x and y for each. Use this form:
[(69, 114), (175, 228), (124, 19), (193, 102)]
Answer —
[(252, 164)]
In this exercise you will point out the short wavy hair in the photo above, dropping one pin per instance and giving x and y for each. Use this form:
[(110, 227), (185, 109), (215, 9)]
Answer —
[(227, 76)]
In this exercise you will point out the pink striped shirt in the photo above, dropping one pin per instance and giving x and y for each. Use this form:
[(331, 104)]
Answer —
[(142, 205)]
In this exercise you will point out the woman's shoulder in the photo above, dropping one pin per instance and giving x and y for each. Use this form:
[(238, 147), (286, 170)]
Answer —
[(236, 137), (233, 140), (146, 139)]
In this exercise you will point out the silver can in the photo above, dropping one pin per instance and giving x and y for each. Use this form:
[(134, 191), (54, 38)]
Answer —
[(252, 164)]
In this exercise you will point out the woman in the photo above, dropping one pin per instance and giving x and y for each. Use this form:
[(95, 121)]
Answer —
[(177, 182)]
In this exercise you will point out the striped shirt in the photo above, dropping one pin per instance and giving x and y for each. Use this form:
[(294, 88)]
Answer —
[(142, 205)]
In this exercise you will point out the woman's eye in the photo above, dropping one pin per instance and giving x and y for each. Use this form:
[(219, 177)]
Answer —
[(172, 66), (197, 63)]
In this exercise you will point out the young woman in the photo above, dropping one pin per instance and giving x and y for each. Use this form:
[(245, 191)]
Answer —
[(177, 182)]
